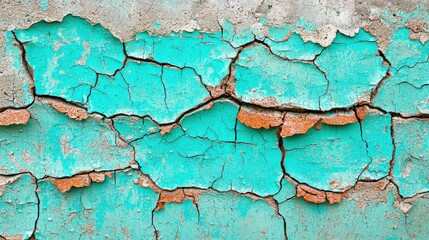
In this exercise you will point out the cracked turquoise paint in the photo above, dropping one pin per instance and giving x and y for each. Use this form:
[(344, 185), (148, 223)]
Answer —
[(267, 79), (407, 90), (55, 145), (163, 81), (18, 207), (134, 128), (343, 74), (211, 149), (148, 89), (334, 157), (206, 53), (115, 208), (66, 56), (295, 48), (411, 156), (178, 221), (286, 192), (351, 220), (353, 69)]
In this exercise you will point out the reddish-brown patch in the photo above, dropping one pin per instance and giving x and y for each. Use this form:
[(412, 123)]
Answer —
[(70, 110), (361, 112), (317, 196), (177, 196), (145, 181), (298, 123), (193, 193), (84, 180), (97, 176), (310, 194), (260, 118), (14, 117), (65, 184)]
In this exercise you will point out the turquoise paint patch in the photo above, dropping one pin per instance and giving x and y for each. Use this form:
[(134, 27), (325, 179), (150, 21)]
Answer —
[(279, 34), (286, 192), (141, 89), (411, 156), (305, 24), (55, 145), (44, 4), (295, 48), (402, 51), (242, 218), (114, 209), (204, 151), (406, 91), (66, 56), (334, 157), (376, 132), (266, 79), (206, 53), (18, 207), (353, 69)]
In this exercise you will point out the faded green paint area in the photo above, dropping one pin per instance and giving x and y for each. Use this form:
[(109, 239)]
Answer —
[(115, 208), (66, 56), (148, 89), (18, 93), (211, 149), (18, 206), (266, 79), (335, 157), (133, 128), (407, 90), (411, 156), (365, 217), (242, 218), (53, 144), (206, 53)]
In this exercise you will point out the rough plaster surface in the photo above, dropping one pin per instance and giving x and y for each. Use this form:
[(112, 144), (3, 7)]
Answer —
[(214, 119)]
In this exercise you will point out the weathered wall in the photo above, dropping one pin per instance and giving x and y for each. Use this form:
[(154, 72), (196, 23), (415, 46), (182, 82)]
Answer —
[(214, 119)]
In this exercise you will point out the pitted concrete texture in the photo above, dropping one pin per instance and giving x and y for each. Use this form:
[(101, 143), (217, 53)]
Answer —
[(214, 119)]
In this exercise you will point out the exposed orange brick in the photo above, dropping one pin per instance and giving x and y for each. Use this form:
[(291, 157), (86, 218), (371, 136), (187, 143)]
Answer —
[(70, 110), (259, 118), (14, 117), (65, 184)]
